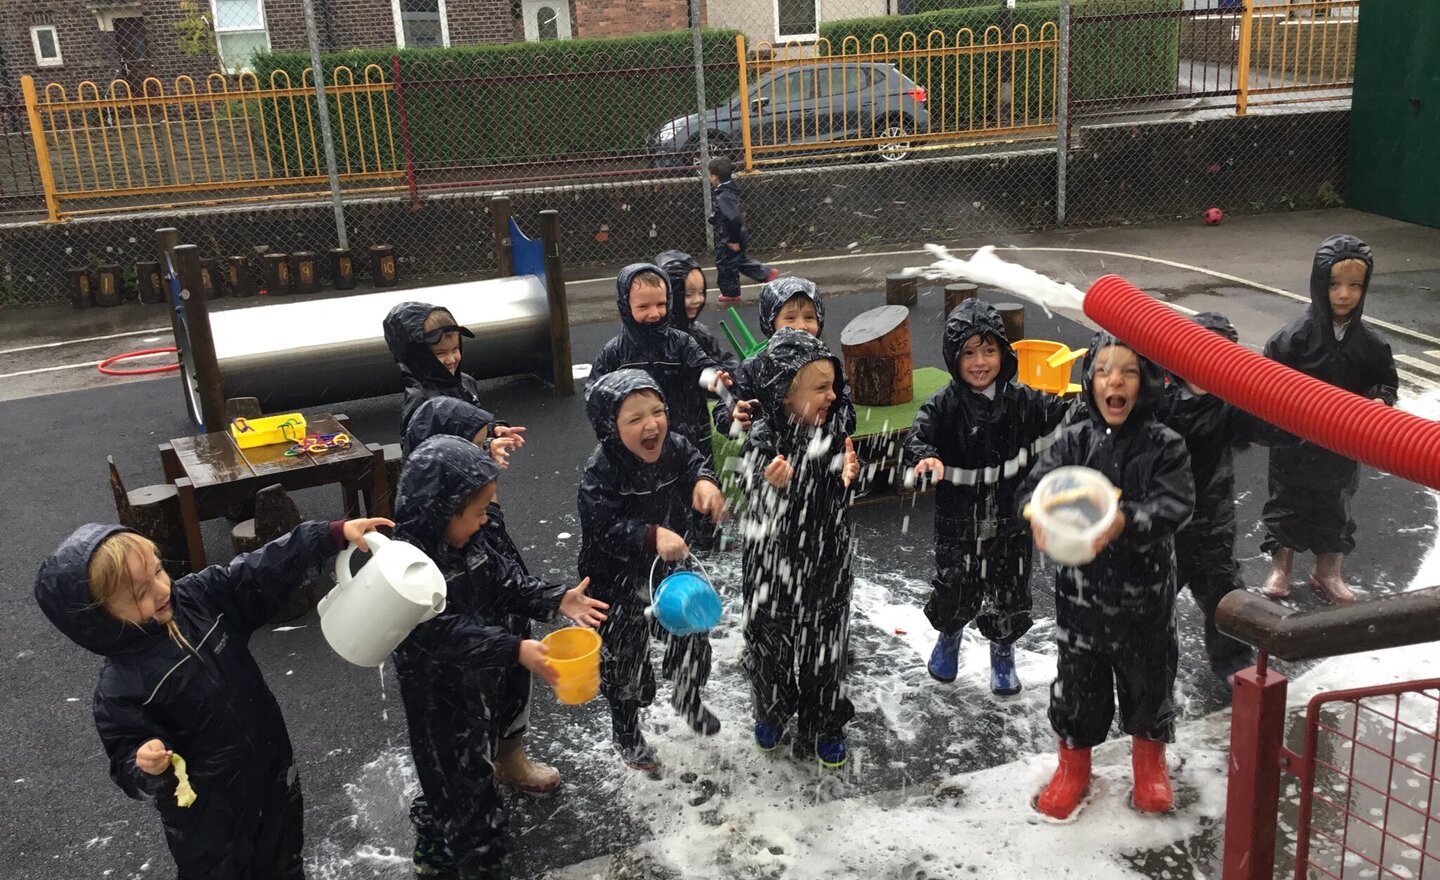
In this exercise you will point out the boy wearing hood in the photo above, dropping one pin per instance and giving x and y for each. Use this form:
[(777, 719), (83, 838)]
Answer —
[(178, 681), (977, 438), (649, 341), (1115, 615), (798, 468), (636, 498), (784, 302), (424, 340), (687, 301), (452, 667), (1310, 486), (732, 242)]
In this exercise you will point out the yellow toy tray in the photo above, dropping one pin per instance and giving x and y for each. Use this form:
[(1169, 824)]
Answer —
[(289, 428)]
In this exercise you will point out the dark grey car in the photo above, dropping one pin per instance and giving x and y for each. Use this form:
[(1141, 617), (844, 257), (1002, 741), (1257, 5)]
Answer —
[(805, 104)]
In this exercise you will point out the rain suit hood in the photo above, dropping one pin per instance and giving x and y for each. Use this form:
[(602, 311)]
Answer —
[(678, 265), (622, 301), (608, 395), (1152, 382), (771, 374), (775, 294), (444, 415), (972, 317), (439, 475), (63, 591)]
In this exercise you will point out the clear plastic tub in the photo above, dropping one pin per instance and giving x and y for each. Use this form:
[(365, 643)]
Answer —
[(1073, 506)]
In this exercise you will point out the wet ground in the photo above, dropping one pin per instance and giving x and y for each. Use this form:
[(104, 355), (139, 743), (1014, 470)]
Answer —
[(941, 775)]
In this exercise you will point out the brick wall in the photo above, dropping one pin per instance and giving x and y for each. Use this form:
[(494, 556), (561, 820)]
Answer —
[(613, 18)]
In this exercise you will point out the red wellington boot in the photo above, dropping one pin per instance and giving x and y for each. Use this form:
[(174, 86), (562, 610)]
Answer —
[(1152, 778), (1068, 786)]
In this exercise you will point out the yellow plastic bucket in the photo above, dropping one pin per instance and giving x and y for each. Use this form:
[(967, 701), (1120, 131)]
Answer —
[(575, 654), (1045, 365)]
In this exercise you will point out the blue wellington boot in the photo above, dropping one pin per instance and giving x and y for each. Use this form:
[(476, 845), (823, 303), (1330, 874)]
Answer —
[(831, 753), (767, 736), (1004, 681), (945, 659)]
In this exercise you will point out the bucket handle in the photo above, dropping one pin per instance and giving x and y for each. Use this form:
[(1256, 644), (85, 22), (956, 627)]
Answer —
[(690, 554), (373, 542)]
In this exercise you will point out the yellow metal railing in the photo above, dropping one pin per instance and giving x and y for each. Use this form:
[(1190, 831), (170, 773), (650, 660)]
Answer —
[(231, 135), (1299, 47), (802, 98)]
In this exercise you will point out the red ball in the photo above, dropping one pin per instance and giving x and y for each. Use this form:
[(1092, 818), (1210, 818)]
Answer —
[(1213, 216)]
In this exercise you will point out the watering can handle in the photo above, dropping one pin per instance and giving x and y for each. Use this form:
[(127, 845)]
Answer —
[(373, 540), (691, 556)]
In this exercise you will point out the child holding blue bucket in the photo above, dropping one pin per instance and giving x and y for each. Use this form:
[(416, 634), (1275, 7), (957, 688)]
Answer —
[(636, 497), (452, 667), (798, 467)]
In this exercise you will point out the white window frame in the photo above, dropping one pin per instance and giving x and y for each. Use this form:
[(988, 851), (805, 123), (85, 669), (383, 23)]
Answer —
[(400, 24), (798, 38), (41, 61), (220, 53)]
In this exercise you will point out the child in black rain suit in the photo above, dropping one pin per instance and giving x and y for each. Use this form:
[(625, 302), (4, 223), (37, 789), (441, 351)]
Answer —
[(977, 437), (178, 680), (732, 241), (1205, 549), (452, 667), (636, 496), (1310, 486), (456, 418), (794, 303), (424, 340), (687, 301), (798, 471), (649, 341), (1115, 616)]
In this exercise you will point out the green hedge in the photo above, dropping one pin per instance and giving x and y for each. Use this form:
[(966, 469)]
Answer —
[(527, 102)]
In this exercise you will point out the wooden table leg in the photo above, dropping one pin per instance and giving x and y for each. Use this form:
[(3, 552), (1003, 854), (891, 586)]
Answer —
[(190, 519), (170, 463), (381, 502)]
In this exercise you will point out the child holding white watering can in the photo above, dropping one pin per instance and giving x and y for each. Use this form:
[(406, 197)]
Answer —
[(1114, 599), (636, 496), (456, 418), (977, 438), (452, 667), (179, 688), (798, 469)]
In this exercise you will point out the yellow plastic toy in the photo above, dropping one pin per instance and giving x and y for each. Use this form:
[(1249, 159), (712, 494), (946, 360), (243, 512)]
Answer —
[(575, 653), (1045, 365), (184, 794), (289, 428)]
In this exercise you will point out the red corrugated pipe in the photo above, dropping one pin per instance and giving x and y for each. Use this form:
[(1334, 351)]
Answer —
[(1357, 427)]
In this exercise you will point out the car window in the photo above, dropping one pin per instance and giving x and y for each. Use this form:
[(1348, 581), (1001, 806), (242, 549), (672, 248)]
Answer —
[(840, 79), (792, 87), (856, 78)]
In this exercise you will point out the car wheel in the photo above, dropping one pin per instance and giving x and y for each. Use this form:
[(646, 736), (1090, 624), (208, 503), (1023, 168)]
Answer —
[(719, 146), (895, 150)]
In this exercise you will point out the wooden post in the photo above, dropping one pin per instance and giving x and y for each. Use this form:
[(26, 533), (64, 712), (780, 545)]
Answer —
[(242, 282), (560, 363), (202, 342), (383, 271), (1013, 316), (109, 285), (957, 293), (500, 228), (77, 284), (148, 282), (342, 269), (877, 356), (210, 279), (901, 290), (303, 277), (277, 274)]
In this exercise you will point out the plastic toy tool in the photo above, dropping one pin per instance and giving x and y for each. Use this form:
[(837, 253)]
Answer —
[(751, 347)]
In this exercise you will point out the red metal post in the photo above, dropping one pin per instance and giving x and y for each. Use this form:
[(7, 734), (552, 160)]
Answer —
[(404, 123), (1257, 734)]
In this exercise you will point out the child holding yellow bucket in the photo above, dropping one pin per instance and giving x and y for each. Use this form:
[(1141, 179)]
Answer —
[(798, 466), (451, 668), (636, 496)]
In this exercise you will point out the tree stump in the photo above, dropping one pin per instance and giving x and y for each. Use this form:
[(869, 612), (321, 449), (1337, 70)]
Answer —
[(109, 285), (1013, 316), (277, 274), (957, 293), (877, 357), (275, 515), (901, 290), (153, 511)]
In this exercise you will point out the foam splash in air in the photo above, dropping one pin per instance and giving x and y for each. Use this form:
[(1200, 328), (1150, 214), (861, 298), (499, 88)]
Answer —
[(986, 269)]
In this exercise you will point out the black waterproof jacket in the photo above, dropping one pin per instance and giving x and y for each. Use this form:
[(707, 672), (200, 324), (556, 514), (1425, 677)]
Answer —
[(797, 539), (210, 705), (1126, 595), (773, 297), (670, 356), (727, 217), (425, 377), (678, 265), (443, 415), (1361, 363), (991, 443), (622, 499)]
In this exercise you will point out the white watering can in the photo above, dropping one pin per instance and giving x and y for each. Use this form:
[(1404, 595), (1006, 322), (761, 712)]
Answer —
[(369, 614)]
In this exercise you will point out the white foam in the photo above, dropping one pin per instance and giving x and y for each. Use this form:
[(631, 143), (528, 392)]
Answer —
[(985, 268)]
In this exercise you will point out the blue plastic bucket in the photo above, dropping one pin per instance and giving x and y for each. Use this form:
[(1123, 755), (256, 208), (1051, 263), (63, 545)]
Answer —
[(685, 603)]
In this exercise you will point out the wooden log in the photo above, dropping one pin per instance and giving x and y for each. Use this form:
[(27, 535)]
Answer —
[(109, 285), (78, 285), (153, 511), (1013, 316), (211, 283), (147, 279), (561, 365), (303, 277), (383, 271), (242, 281), (901, 290), (275, 515), (342, 269), (277, 274), (957, 293), (876, 346)]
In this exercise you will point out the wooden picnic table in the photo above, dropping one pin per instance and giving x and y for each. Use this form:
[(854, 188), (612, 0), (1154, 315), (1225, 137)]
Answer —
[(212, 474)]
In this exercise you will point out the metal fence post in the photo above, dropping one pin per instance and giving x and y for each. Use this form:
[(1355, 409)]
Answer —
[(327, 141), (1062, 111), (1257, 733), (702, 108), (1247, 24), (42, 151)]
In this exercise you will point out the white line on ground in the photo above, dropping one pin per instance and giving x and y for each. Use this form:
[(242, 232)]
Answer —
[(1419, 363), (49, 369), (82, 339), (1428, 384)]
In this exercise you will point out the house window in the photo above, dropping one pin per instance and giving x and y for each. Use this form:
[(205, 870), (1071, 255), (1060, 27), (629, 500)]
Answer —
[(47, 45), (797, 19), (546, 19), (239, 32), (420, 24)]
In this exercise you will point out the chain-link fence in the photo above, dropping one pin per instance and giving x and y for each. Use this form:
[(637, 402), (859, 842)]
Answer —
[(850, 121)]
